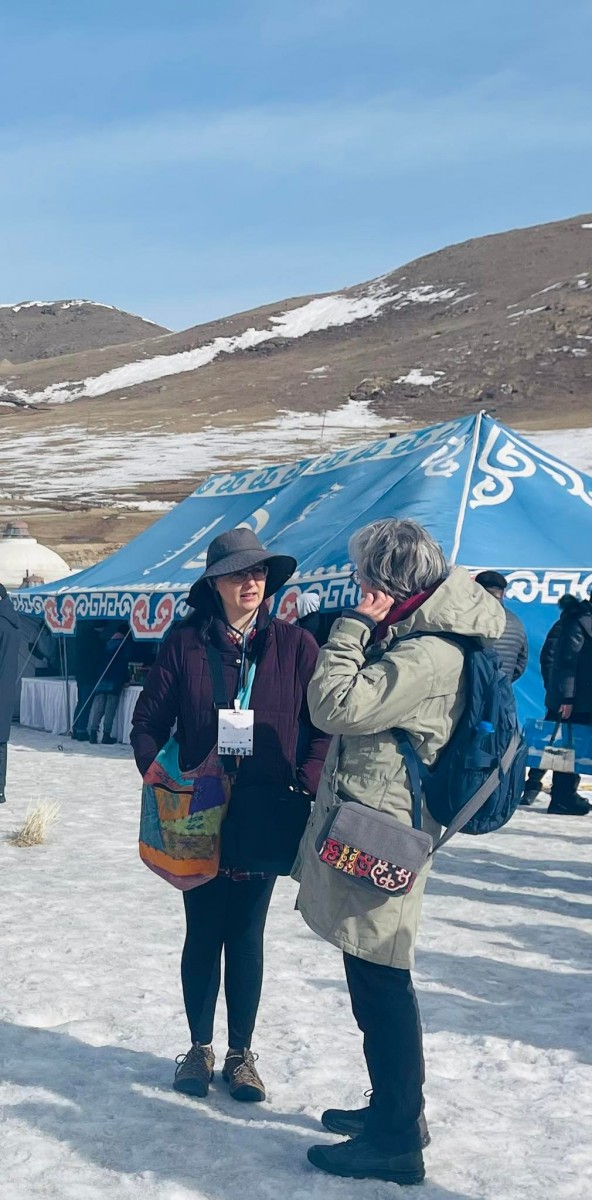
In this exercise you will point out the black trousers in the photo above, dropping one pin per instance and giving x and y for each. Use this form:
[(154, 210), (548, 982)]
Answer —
[(565, 785), (83, 706), (386, 1010), (3, 765), (225, 915)]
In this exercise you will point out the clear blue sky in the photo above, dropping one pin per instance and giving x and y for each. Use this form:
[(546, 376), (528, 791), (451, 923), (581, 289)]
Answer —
[(189, 158)]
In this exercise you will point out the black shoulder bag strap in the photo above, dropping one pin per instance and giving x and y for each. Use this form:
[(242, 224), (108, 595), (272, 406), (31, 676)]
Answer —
[(220, 701), (217, 674)]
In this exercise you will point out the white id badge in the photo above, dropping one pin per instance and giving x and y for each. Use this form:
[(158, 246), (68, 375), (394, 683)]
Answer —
[(235, 731)]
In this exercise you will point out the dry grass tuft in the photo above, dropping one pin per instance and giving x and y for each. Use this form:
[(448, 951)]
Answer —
[(37, 824)]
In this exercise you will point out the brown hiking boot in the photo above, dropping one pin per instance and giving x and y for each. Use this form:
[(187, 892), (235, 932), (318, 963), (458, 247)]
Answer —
[(241, 1075), (195, 1071)]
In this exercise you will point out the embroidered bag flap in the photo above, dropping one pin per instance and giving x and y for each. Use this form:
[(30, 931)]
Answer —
[(379, 834), (373, 848)]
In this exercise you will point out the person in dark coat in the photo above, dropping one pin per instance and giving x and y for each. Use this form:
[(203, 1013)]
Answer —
[(566, 604), (10, 638), (310, 618), (568, 695), (107, 691), (232, 633), (89, 660), (512, 647)]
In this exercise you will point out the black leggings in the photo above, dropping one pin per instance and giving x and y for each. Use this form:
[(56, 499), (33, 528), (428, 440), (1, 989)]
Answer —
[(225, 914)]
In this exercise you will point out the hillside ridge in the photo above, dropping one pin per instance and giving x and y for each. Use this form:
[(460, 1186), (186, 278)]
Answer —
[(40, 329), (104, 438)]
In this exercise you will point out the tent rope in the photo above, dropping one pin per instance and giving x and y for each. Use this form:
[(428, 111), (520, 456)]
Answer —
[(31, 652)]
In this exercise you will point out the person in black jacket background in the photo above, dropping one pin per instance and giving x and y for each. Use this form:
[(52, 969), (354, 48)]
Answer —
[(512, 646), (566, 667), (10, 638), (89, 660)]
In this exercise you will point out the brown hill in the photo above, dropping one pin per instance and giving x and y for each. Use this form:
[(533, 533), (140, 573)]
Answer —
[(34, 329), (503, 322)]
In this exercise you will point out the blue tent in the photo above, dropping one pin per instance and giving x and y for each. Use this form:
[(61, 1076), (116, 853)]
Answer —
[(491, 498)]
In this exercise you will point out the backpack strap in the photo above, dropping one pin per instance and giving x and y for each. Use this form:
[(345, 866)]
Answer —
[(416, 770), (481, 795), (460, 639), (414, 765)]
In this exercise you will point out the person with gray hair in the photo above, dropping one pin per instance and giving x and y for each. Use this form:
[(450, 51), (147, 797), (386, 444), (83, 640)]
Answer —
[(398, 557), (382, 675)]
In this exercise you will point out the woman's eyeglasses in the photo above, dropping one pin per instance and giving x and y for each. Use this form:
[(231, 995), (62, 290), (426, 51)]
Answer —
[(355, 578), (258, 573)]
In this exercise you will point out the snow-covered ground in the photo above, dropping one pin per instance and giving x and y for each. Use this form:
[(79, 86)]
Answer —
[(91, 1015), (574, 446), (104, 466), (78, 463)]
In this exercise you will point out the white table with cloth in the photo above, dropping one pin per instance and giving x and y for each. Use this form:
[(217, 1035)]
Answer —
[(44, 706), (44, 703)]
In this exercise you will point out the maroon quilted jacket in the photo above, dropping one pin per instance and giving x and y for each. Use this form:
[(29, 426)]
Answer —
[(179, 688)]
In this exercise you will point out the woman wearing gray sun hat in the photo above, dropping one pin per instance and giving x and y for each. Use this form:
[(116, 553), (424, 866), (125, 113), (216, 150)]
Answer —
[(229, 649)]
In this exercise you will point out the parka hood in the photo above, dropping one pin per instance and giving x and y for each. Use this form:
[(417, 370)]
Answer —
[(459, 605)]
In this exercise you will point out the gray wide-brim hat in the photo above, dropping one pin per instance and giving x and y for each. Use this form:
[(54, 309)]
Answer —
[(238, 550)]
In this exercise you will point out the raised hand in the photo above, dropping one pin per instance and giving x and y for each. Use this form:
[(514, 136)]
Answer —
[(375, 605)]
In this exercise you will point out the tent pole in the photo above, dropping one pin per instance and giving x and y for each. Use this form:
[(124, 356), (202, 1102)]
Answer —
[(467, 487), (67, 682)]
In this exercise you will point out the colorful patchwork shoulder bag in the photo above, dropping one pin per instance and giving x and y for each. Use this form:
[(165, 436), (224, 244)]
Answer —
[(182, 815), (183, 811)]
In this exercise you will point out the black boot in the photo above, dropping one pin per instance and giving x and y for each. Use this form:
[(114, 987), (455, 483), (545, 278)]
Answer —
[(529, 798), (2, 798), (361, 1159), (350, 1122), (108, 740), (571, 806), (93, 737)]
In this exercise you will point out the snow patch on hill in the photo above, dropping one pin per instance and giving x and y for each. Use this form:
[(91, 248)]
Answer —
[(417, 377), (56, 304), (526, 312), (328, 312)]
